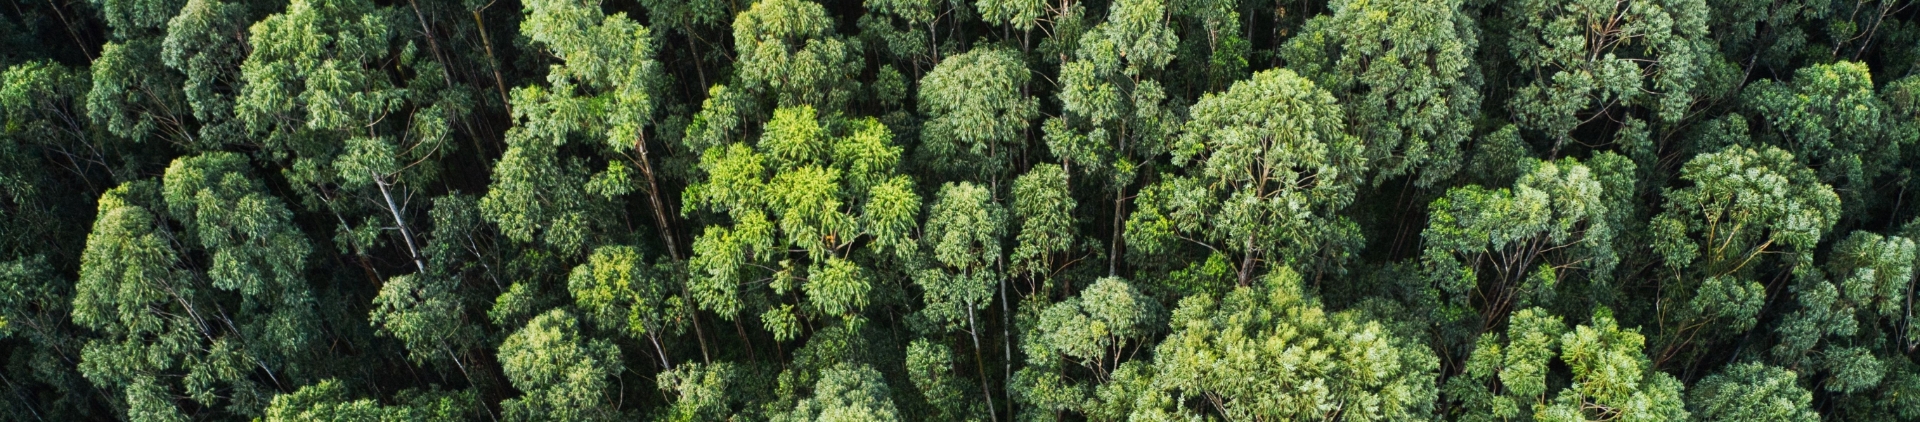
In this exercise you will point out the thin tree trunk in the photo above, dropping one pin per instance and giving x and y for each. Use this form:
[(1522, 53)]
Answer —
[(433, 43), (498, 82), (1119, 211), (660, 216), (401, 223), (980, 363)]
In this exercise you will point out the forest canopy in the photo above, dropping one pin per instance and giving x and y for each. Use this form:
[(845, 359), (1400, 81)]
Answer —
[(959, 210)]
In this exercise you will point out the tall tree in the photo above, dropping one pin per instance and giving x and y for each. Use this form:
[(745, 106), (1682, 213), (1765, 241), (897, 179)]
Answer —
[(196, 285), (1583, 61), (1611, 378), (1743, 205), (808, 207), (1268, 165), (1494, 251), (977, 115), (1247, 355), (1403, 70), (1114, 118)]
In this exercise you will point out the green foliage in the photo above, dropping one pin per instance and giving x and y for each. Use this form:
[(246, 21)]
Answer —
[(192, 283), (1830, 119), (963, 235), (789, 54), (845, 393), (1606, 375), (1582, 59), (930, 367), (801, 202), (1269, 164), (330, 401), (1493, 251), (959, 210), (1751, 392), (1044, 208), (977, 112), (1743, 205), (562, 375), (1405, 73), (1270, 352)]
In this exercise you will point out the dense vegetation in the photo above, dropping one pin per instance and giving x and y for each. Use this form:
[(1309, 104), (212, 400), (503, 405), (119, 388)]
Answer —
[(959, 210)]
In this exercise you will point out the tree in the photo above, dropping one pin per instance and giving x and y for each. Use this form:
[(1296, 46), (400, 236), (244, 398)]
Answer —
[(1852, 318), (704, 391), (1044, 207), (1829, 117), (1611, 379), (1405, 74), (909, 30), (618, 290), (604, 91), (192, 283), (1583, 61), (800, 204), (330, 401), (317, 96), (963, 235), (789, 55), (1493, 251), (977, 114), (563, 376), (1268, 165), (930, 368), (1101, 331), (1743, 205), (1751, 392), (1114, 118), (845, 393), (1269, 352)]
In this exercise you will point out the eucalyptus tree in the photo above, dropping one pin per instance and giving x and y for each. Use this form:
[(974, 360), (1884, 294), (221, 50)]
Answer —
[(1267, 167), (1060, 23), (603, 92), (1405, 74), (787, 53), (963, 233), (331, 400), (1743, 206), (136, 96), (1493, 251), (1580, 61), (432, 312), (1831, 119), (1270, 352), (619, 289), (1854, 318), (1751, 392), (978, 115), (1101, 332), (703, 392), (562, 374), (1044, 207), (808, 208), (354, 138), (1213, 50), (1114, 118), (845, 392), (172, 71), (916, 33), (930, 369), (196, 287), (51, 164), (1609, 378)]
